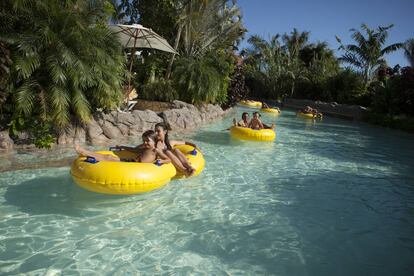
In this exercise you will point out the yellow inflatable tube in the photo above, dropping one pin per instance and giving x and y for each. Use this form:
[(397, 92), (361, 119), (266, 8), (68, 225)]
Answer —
[(271, 110), (244, 133), (251, 103), (120, 177), (309, 116), (195, 158)]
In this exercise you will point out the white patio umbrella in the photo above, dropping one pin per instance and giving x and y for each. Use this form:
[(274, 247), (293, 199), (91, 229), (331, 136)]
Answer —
[(136, 36)]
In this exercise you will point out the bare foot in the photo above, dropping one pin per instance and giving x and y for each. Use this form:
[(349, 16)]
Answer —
[(191, 171)]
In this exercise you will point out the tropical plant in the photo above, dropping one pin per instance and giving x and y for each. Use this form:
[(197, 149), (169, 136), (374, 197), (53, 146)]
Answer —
[(205, 26), (5, 64), (295, 42), (237, 90), (369, 51), (347, 87), (266, 62), (160, 15), (203, 79), (207, 32), (276, 66), (409, 51), (395, 94), (198, 28), (319, 54), (65, 61), (159, 90), (40, 133)]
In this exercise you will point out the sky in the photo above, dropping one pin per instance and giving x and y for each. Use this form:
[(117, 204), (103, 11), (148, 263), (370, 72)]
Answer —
[(325, 19)]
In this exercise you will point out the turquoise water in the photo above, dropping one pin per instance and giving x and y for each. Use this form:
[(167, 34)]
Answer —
[(326, 198)]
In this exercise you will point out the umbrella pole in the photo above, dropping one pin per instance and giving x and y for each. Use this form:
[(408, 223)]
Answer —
[(130, 73), (132, 61)]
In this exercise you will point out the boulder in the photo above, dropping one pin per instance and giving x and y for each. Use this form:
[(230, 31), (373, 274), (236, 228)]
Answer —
[(93, 130), (146, 119), (99, 140), (183, 118), (123, 128), (72, 135), (111, 131), (179, 104), (6, 143)]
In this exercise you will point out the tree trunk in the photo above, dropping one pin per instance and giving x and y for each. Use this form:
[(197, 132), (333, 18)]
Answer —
[(177, 40)]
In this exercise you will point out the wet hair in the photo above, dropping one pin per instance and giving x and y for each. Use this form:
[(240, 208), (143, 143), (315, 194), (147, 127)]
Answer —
[(149, 134), (245, 113), (257, 114), (166, 127)]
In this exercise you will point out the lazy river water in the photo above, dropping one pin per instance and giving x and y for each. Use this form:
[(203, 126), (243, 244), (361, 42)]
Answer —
[(326, 198)]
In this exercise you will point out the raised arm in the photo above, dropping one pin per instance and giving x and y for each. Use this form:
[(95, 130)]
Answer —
[(260, 124)]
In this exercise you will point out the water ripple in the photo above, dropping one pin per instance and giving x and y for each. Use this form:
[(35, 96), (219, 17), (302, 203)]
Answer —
[(326, 198)]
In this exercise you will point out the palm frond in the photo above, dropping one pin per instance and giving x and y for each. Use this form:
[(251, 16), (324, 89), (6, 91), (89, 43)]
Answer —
[(60, 102), (25, 96), (80, 105), (391, 48), (409, 51), (26, 65)]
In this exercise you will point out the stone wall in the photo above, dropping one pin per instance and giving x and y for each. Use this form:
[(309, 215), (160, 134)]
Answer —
[(352, 112), (118, 127)]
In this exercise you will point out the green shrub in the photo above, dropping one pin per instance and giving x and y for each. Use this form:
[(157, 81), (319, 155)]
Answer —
[(204, 79), (347, 87), (159, 90), (40, 133), (66, 61), (386, 120)]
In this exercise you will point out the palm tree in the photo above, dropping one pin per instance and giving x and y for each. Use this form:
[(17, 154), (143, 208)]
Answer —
[(295, 42), (269, 60), (5, 64), (409, 51), (66, 62), (368, 52), (204, 26), (200, 82), (278, 65), (207, 32)]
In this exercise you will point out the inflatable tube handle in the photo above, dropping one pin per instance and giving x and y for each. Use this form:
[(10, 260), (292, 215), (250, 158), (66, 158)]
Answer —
[(91, 160), (158, 163), (193, 152)]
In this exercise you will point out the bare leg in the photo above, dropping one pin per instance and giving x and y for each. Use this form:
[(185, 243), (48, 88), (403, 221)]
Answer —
[(97, 156), (177, 163), (184, 161), (269, 127)]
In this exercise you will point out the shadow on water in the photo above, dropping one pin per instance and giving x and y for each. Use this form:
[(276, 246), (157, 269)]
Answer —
[(60, 195)]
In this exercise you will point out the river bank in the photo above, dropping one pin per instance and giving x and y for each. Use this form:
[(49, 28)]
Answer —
[(105, 130)]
